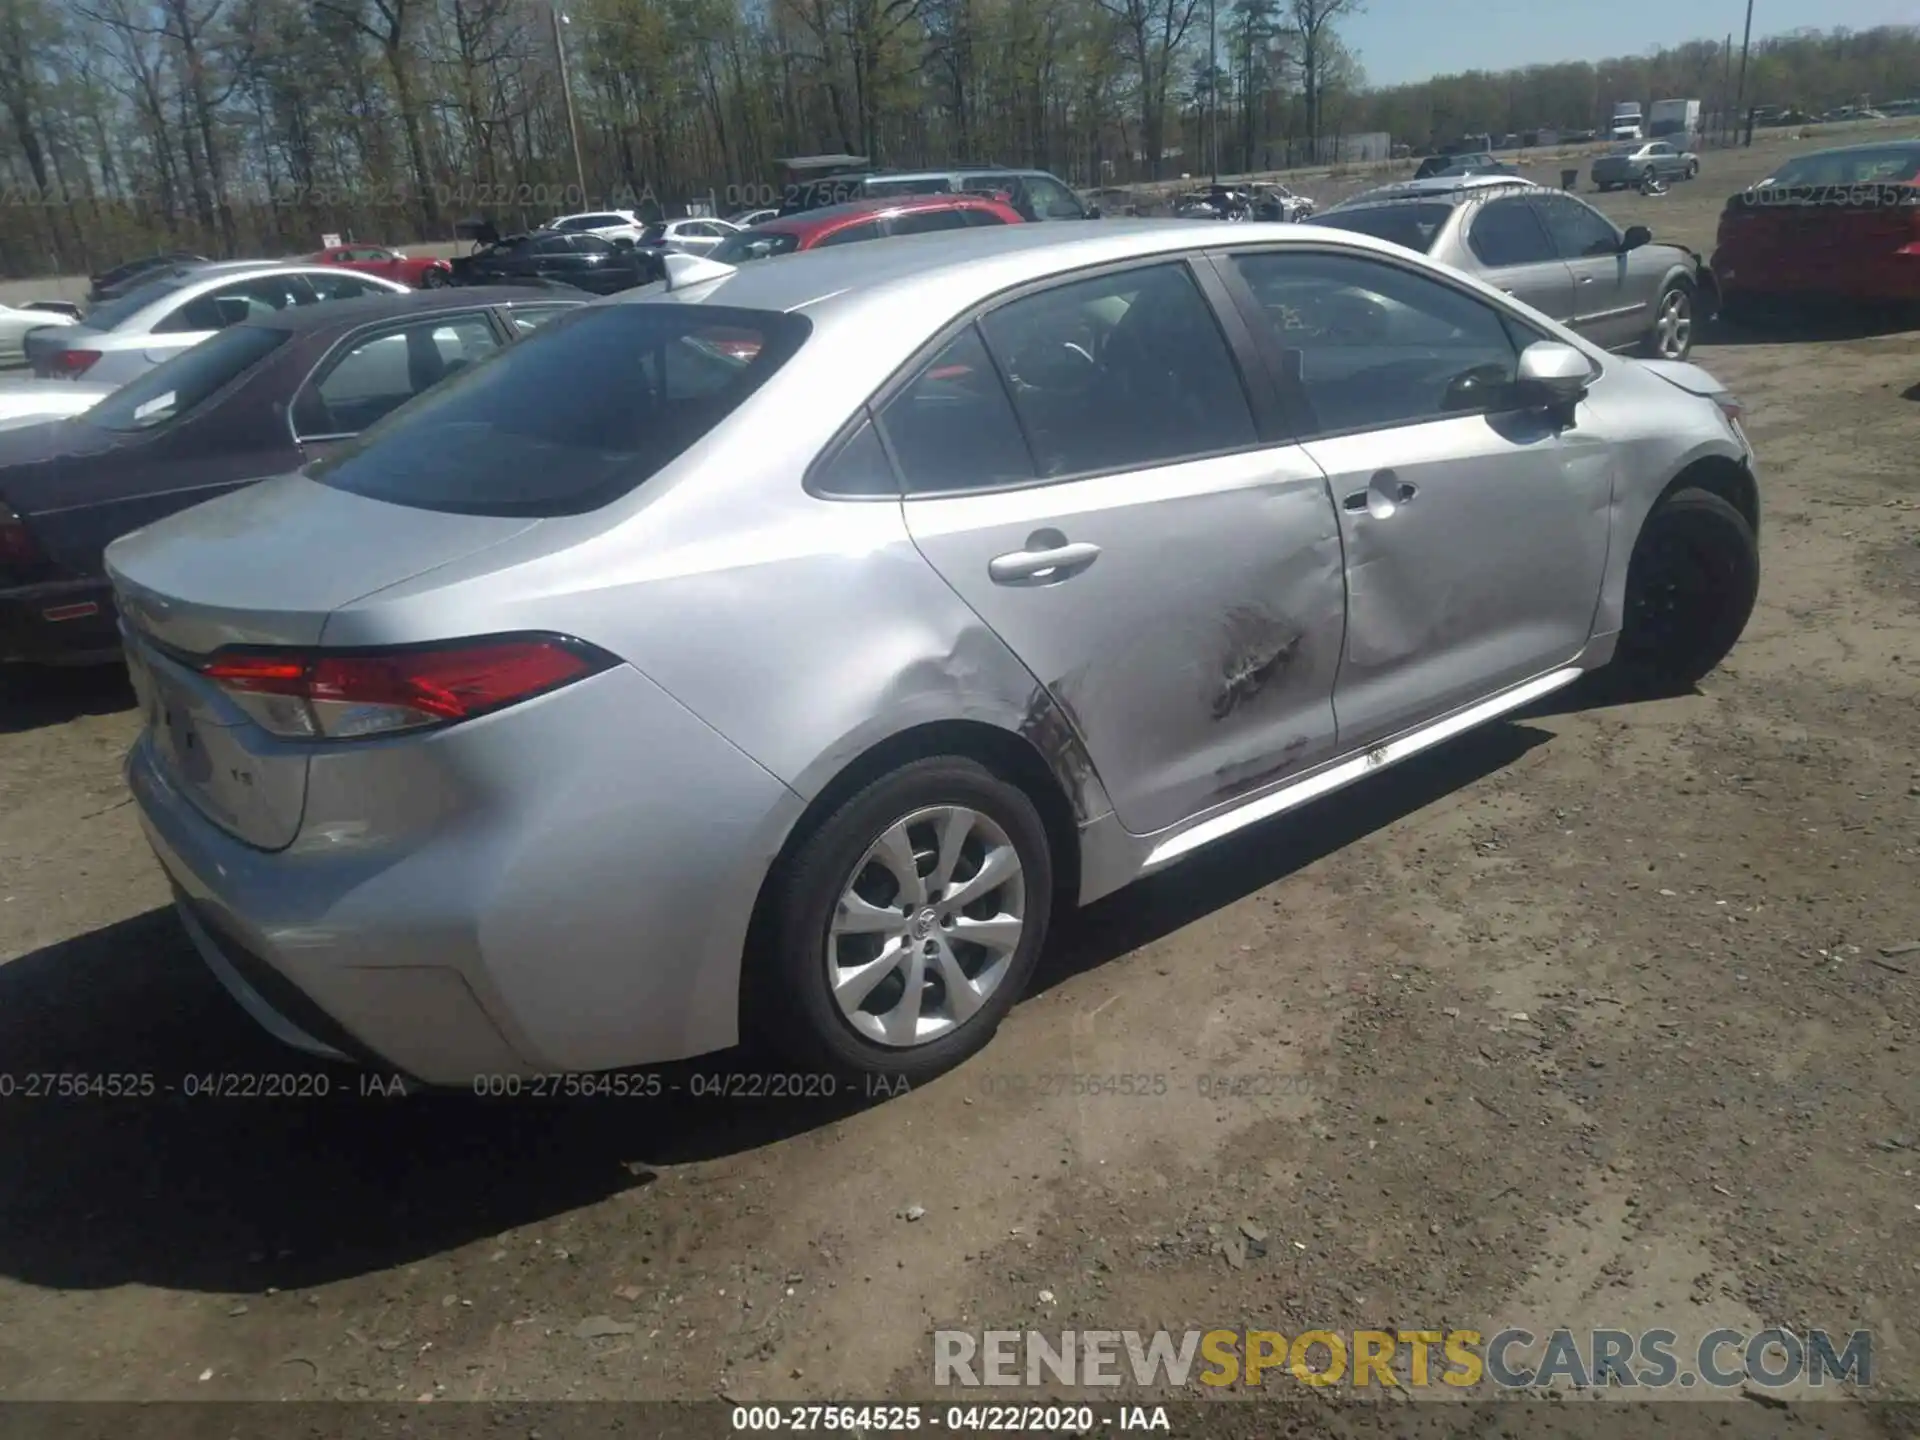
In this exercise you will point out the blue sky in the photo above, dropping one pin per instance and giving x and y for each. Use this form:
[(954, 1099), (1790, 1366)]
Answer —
[(1401, 40)]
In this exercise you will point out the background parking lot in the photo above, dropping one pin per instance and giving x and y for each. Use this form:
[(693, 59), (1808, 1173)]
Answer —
[(1601, 1017)]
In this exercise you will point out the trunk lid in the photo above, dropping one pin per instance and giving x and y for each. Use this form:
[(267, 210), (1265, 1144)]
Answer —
[(262, 566)]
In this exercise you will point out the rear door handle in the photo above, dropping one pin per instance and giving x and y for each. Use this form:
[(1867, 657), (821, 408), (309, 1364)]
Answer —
[(1042, 567)]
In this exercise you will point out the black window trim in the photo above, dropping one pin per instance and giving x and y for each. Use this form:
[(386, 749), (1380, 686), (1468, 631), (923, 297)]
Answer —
[(1256, 384), (1510, 322), (331, 357)]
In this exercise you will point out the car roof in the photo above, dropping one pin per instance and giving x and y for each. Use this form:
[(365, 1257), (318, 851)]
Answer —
[(936, 170), (952, 270), (347, 313), (809, 222), (1456, 188)]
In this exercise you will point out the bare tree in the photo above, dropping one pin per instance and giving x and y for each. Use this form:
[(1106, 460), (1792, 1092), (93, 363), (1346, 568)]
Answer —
[(1315, 37), (1154, 31)]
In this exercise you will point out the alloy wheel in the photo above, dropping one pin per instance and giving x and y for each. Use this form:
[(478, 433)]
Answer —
[(926, 926), (1673, 327)]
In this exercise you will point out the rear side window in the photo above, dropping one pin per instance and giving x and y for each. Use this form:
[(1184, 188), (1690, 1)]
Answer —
[(953, 428), (754, 245), (850, 234), (109, 314), (926, 221), (573, 416), (176, 387), (983, 217), (1413, 226), (1509, 232)]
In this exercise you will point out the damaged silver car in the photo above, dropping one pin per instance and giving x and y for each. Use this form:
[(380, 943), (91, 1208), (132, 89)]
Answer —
[(779, 649)]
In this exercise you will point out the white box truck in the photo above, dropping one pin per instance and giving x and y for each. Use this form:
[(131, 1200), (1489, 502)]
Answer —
[(1627, 124), (1676, 120)]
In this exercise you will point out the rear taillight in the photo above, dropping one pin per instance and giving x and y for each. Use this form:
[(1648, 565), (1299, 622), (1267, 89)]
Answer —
[(71, 364), (18, 548), (347, 694)]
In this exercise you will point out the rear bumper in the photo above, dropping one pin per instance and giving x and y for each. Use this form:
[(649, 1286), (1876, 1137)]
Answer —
[(59, 622), (1894, 276), (564, 886)]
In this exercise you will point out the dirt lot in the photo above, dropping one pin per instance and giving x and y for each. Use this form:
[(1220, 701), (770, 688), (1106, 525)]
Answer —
[(1603, 1017)]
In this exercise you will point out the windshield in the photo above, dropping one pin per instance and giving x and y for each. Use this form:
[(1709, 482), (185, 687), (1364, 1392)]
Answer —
[(754, 245), (110, 313), (574, 416), (1413, 226), (1880, 165), (175, 387)]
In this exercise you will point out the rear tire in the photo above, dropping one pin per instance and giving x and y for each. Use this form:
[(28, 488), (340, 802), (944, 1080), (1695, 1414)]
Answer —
[(871, 972), (1691, 587), (1693, 170), (433, 280)]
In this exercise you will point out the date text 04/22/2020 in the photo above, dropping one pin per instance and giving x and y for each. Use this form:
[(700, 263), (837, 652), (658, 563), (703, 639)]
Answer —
[(1041, 1419)]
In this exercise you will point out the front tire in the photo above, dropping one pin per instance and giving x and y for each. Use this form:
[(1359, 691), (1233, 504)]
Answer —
[(1691, 587), (1671, 337), (433, 280), (1693, 170), (906, 924)]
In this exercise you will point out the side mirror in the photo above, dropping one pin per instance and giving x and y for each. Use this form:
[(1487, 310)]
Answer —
[(1552, 377), (1636, 236)]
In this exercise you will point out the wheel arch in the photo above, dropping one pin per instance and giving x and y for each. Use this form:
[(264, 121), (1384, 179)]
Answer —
[(1719, 475)]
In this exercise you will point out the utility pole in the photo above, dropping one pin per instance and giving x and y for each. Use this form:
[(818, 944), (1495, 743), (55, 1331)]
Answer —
[(1726, 95), (566, 92), (1213, 94), (1740, 97)]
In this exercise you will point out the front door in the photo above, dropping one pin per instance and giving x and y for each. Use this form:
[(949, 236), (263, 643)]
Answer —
[(1475, 533), (1610, 307), (1162, 562)]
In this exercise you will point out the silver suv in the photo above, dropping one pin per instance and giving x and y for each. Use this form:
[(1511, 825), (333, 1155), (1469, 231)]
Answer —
[(1549, 249)]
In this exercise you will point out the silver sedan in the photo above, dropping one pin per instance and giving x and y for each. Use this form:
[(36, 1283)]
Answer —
[(131, 333), (1618, 288), (1636, 161), (775, 651)]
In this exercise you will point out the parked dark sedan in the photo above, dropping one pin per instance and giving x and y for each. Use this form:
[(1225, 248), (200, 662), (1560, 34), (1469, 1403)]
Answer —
[(122, 278), (589, 262), (256, 400)]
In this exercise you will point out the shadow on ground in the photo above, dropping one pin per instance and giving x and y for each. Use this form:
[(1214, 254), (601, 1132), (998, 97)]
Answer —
[(33, 696), (1809, 326), (187, 1192)]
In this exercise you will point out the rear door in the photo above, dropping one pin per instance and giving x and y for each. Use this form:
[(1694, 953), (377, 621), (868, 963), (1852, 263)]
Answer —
[(1127, 512), (1612, 287), (1515, 253)]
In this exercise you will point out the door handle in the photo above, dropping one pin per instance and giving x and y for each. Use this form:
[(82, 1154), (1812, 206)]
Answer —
[(1586, 279), (1044, 566), (1385, 489)]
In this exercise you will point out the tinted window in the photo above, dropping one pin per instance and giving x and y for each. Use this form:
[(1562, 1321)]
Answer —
[(654, 232), (1577, 229), (111, 313), (344, 286), (571, 417), (978, 217), (555, 244), (175, 387), (859, 467), (1851, 167), (382, 372), (755, 245), (952, 428), (1413, 226), (590, 245), (528, 318), (926, 221), (1120, 372), (1365, 344), (1508, 232), (1053, 201), (850, 234), (242, 300)]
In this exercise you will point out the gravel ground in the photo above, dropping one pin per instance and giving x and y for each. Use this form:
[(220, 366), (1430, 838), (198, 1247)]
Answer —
[(1602, 1017)]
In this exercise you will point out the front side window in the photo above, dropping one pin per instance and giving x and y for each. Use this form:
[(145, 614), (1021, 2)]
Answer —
[(377, 375), (1053, 201), (1508, 232), (344, 286), (1578, 230), (242, 300), (1123, 371), (521, 434), (529, 318), (556, 244), (176, 387), (1366, 345)]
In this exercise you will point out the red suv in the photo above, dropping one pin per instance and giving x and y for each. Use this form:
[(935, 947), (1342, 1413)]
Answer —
[(863, 220)]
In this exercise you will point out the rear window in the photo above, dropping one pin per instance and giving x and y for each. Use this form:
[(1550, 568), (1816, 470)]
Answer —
[(176, 387), (1881, 165), (654, 232), (572, 417), (754, 245), (1413, 226), (110, 313)]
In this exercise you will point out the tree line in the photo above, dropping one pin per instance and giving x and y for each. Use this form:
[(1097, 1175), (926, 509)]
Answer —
[(233, 127)]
